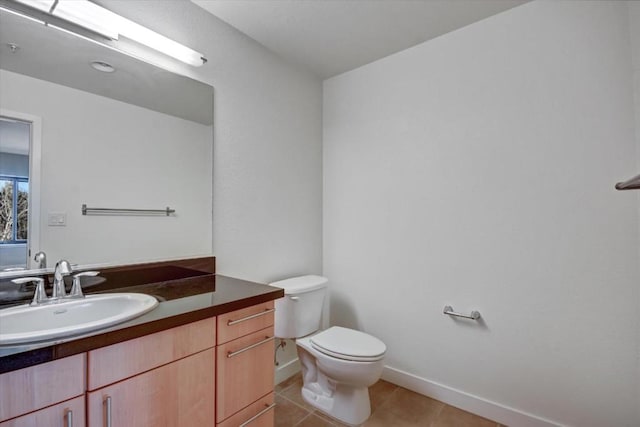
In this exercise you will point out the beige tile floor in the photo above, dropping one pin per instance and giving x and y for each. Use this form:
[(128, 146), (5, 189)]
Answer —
[(391, 406)]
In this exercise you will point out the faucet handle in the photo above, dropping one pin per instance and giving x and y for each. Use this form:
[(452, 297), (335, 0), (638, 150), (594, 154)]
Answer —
[(39, 296), (76, 290)]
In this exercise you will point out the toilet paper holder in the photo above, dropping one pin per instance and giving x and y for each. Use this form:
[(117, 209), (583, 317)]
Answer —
[(475, 315)]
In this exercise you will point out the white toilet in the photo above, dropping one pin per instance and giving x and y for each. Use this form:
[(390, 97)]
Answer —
[(338, 364)]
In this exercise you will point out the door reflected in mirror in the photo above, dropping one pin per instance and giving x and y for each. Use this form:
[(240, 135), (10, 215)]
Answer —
[(15, 141)]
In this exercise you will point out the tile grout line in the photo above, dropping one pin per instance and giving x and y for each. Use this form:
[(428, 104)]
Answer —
[(304, 418), (442, 406), (387, 399), (297, 404)]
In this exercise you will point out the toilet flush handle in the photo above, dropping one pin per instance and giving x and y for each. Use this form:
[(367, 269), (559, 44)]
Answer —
[(294, 298)]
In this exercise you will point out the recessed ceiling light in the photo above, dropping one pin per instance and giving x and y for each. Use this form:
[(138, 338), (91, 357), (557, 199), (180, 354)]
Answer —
[(102, 66)]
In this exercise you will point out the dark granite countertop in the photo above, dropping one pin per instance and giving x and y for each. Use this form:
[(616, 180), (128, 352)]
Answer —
[(182, 301)]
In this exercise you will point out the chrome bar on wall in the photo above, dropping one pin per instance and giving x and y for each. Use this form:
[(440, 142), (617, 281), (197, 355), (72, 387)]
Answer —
[(475, 315), (113, 211), (630, 184)]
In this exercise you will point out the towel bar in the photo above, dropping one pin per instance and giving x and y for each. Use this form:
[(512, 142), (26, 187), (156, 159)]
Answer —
[(475, 315), (87, 210)]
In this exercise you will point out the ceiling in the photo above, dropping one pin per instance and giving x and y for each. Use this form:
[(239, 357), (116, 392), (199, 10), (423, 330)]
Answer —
[(329, 37)]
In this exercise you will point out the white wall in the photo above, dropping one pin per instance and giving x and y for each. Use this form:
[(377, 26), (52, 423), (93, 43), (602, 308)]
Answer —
[(477, 170), (267, 179), (634, 27), (267, 167), (106, 153)]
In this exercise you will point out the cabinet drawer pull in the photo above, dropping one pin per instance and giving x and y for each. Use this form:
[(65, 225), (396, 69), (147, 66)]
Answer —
[(253, 316), (258, 415), (107, 402), (242, 350), (69, 418)]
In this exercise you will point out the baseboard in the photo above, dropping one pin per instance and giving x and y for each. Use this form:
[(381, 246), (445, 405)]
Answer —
[(287, 370), (468, 402)]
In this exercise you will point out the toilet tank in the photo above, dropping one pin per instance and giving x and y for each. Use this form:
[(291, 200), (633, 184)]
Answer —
[(299, 312)]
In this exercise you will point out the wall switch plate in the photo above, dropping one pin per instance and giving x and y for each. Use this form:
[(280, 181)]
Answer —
[(57, 219)]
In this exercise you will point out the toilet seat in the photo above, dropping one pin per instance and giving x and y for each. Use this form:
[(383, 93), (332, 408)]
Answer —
[(348, 344)]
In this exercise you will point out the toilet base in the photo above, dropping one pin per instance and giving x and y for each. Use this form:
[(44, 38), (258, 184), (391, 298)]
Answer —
[(349, 405)]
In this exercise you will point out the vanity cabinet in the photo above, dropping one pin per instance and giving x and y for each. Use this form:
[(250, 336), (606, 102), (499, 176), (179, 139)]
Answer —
[(31, 390), (178, 394), (166, 378), (245, 368), (212, 372)]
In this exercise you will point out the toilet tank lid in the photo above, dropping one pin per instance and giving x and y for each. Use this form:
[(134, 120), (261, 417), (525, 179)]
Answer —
[(301, 284)]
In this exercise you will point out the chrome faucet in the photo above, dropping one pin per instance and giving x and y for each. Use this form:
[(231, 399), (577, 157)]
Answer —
[(63, 268), (41, 259)]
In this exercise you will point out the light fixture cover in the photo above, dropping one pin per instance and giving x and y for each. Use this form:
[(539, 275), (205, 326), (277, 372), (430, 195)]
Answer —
[(110, 25), (90, 16)]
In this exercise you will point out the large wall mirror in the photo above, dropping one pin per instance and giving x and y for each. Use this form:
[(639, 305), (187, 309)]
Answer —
[(83, 124)]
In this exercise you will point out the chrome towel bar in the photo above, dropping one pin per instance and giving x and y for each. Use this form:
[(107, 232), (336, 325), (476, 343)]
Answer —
[(113, 211), (475, 315)]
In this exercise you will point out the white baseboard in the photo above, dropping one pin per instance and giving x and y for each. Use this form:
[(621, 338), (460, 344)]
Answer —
[(468, 402), (287, 370)]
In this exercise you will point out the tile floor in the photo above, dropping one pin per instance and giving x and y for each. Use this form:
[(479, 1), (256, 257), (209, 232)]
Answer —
[(391, 406)]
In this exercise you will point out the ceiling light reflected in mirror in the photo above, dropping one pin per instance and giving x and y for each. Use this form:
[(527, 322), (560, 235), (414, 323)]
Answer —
[(107, 24)]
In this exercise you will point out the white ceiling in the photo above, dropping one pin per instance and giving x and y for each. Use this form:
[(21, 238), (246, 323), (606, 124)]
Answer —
[(330, 37)]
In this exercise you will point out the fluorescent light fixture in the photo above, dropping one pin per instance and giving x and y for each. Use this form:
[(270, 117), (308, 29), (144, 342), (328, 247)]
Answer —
[(110, 25), (156, 41), (90, 16), (22, 15), (43, 5)]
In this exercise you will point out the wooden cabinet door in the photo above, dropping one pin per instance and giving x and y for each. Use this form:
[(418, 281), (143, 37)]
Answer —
[(245, 372), (65, 414), (30, 389), (117, 362), (181, 393)]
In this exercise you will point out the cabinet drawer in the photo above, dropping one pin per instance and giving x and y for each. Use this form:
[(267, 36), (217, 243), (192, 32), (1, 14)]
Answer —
[(116, 362), (245, 321), (179, 394), (245, 372), (53, 416), (36, 387), (258, 414)]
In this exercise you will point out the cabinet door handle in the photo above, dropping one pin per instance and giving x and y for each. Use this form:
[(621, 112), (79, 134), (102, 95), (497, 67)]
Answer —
[(69, 417), (258, 415), (242, 350), (107, 403), (253, 316)]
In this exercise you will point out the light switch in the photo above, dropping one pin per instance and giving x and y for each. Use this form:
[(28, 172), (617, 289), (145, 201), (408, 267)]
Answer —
[(57, 219)]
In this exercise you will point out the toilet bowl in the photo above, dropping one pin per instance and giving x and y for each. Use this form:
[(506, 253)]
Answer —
[(336, 381), (338, 364)]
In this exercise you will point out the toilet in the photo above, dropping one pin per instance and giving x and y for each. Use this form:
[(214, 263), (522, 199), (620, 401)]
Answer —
[(338, 364)]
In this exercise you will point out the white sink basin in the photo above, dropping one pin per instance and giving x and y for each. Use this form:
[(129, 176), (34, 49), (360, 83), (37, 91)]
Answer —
[(25, 324)]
